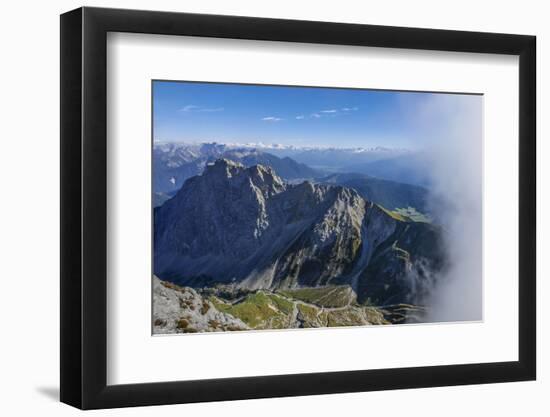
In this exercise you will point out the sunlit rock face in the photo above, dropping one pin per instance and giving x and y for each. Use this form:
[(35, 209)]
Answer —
[(247, 227)]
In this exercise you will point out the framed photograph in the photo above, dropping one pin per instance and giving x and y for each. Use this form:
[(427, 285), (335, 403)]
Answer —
[(256, 208)]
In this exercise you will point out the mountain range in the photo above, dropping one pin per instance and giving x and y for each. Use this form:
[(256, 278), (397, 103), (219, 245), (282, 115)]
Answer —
[(174, 163), (339, 159), (390, 194), (248, 228), (407, 169)]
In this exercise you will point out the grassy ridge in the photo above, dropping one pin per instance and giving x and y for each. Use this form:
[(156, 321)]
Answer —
[(330, 297), (259, 310), (332, 306)]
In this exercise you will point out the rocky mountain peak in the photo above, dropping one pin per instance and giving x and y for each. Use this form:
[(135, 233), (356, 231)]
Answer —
[(259, 178), (224, 167), (266, 179), (246, 227)]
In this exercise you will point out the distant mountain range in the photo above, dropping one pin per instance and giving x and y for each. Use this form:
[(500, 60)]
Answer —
[(390, 194), (331, 159), (389, 182), (340, 159), (395, 164), (248, 228), (174, 163), (408, 169)]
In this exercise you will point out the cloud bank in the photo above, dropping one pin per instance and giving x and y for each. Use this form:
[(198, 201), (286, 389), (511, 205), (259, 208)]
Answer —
[(454, 163)]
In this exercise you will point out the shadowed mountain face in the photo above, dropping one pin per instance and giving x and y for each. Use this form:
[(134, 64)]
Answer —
[(247, 227)]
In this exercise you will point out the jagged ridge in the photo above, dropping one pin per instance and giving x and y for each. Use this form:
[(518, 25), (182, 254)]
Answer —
[(247, 227)]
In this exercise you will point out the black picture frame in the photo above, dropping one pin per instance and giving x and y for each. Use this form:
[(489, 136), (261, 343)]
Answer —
[(84, 207)]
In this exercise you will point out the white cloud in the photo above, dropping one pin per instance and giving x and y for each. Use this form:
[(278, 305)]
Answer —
[(194, 108), (454, 145), (212, 109), (271, 119), (327, 112), (189, 107)]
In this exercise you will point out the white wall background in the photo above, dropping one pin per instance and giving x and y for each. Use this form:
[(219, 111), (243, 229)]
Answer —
[(29, 226)]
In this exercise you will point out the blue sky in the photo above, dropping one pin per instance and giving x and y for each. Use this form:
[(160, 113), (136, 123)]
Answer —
[(302, 116)]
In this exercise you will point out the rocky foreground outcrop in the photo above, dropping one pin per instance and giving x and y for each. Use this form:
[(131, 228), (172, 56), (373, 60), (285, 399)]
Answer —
[(183, 310)]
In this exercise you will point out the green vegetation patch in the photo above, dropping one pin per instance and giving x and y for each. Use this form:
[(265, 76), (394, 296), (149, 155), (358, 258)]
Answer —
[(406, 214), (375, 315), (309, 316), (346, 317), (393, 214), (355, 316), (259, 310), (265, 310), (281, 303), (412, 214), (330, 297)]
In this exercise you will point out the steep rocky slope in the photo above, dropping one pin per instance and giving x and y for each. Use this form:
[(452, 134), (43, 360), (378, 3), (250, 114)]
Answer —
[(248, 228), (183, 310)]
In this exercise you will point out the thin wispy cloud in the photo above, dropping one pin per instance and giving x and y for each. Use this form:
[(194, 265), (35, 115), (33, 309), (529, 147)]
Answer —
[(194, 108), (189, 107), (179, 103), (215, 109), (328, 113)]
